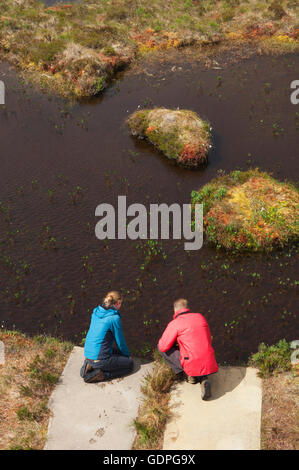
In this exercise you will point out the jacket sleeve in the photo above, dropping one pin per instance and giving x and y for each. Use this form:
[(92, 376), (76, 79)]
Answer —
[(169, 337), (119, 336)]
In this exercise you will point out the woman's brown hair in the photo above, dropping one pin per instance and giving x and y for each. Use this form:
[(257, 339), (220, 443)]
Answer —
[(112, 298)]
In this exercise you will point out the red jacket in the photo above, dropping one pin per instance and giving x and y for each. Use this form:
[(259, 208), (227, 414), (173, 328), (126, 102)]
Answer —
[(191, 332)]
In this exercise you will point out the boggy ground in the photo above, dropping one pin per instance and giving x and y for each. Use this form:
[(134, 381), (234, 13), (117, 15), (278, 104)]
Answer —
[(68, 159), (75, 49)]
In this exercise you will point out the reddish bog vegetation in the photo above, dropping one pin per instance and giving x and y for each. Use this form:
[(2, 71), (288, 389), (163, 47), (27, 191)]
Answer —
[(249, 211)]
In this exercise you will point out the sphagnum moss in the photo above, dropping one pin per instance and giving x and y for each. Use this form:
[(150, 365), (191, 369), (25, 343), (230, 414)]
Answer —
[(180, 134), (249, 211)]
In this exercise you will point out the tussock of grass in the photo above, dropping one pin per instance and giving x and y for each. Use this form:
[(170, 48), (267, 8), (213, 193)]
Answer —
[(31, 370), (272, 360), (180, 134), (154, 411), (249, 211), (110, 34)]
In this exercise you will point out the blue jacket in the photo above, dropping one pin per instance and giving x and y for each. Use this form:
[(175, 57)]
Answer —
[(105, 326)]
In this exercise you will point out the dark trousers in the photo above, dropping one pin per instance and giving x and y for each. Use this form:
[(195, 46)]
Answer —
[(172, 357), (114, 366)]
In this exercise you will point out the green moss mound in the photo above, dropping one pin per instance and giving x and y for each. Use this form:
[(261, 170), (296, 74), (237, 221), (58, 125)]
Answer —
[(249, 211), (180, 135)]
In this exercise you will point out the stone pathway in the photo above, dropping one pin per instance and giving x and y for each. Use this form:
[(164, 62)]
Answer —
[(230, 420), (93, 416)]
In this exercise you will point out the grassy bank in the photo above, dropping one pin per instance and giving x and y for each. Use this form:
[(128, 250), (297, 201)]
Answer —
[(31, 370), (280, 388), (75, 49)]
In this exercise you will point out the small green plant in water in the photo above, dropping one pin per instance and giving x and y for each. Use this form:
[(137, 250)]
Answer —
[(151, 249)]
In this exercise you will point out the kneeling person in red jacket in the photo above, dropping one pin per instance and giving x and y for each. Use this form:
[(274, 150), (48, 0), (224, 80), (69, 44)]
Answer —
[(186, 346)]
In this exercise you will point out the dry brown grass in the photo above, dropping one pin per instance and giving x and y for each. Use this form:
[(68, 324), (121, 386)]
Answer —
[(154, 411), (31, 370), (280, 413)]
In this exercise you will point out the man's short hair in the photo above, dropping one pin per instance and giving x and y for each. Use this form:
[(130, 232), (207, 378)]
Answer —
[(180, 303)]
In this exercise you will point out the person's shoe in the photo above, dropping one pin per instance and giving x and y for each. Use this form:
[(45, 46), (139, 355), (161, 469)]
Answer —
[(88, 368), (191, 380), (205, 389), (180, 376), (99, 377)]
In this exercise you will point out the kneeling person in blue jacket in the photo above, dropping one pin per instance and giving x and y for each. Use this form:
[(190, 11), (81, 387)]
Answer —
[(102, 362)]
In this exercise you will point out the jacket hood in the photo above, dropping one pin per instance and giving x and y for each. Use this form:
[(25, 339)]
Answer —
[(182, 310), (102, 312)]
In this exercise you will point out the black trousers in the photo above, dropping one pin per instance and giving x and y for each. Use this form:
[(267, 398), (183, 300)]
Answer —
[(172, 357), (114, 366)]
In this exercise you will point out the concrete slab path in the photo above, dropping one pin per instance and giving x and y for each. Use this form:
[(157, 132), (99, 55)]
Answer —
[(94, 416), (99, 416), (230, 420)]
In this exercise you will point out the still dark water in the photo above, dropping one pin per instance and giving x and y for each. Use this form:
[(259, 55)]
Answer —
[(53, 270)]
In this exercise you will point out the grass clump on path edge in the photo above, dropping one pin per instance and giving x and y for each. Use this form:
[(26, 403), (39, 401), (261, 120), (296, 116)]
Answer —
[(32, 369), (249, 211), (154, 411)]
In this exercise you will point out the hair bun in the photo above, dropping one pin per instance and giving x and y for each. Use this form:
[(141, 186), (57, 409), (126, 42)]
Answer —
[(112, 298)]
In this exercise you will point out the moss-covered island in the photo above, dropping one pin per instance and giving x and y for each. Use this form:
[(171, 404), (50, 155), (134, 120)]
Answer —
[(180, 134), (75, 49), (249, 211)]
